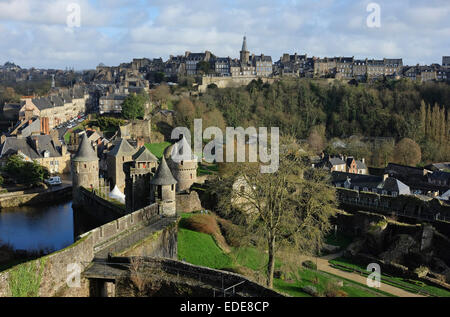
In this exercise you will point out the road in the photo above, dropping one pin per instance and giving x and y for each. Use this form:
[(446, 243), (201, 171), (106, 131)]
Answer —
[(324, 265)]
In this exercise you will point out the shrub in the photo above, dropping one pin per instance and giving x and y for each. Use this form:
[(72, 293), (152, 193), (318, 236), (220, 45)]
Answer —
[(311, 290), (332, 289), (421, 271), (309, 264)]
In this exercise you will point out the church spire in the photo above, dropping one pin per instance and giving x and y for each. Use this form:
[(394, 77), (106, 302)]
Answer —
[(244, 44)]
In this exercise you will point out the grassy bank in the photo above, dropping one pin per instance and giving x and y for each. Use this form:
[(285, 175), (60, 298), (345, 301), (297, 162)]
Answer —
[(157, 148), (202, 249)]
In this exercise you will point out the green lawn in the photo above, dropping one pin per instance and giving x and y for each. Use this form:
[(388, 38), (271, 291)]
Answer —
[(204, 169), (157, 148), (201, 249), (409, 285)]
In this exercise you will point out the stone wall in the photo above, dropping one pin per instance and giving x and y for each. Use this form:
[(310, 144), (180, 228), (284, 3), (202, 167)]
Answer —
[(97, 207), (188, 202), (226, 82), (113, 231), (402, 206), (21, 199), (50, 270), (207, 276), (137, 129), (163, 243)]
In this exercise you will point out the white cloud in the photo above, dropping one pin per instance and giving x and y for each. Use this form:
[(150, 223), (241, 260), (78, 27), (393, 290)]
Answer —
[(32, 32)]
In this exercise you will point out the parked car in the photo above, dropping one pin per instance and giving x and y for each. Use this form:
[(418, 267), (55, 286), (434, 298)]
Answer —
[(53, 181)]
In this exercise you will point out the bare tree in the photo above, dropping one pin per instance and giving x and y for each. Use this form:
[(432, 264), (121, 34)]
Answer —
[(407, 152), (291, 207)]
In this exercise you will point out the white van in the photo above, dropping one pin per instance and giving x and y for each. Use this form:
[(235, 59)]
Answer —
[(52, 181)]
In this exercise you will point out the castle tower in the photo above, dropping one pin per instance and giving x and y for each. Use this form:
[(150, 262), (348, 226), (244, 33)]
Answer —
[(115, 160), (163, 188), (182, 163), (84, 166), (245, 54), (138, 173)]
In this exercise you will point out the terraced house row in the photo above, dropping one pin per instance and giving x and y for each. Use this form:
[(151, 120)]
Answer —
[(54, 109)]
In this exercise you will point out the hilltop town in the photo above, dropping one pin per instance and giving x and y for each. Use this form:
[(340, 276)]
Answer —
[(363, 176)]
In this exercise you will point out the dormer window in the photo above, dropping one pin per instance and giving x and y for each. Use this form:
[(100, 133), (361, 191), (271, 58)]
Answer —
[(46, 154)]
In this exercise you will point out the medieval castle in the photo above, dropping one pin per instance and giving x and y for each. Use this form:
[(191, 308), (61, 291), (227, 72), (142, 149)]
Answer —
[(136, 172)]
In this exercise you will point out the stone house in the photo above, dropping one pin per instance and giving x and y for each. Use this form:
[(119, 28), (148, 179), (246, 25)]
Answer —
[(439, 178), (43, 149)]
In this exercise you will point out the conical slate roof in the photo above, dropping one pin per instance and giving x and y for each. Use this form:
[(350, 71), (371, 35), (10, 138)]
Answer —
[(180, 151), (144, 155), (122, 148), (163, 175), (244, 44), (85, 151)]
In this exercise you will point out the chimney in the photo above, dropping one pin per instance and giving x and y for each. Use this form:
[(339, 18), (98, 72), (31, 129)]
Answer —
[(3, 138), (363, 160), (385, 176), (35, 142), (140, 142)]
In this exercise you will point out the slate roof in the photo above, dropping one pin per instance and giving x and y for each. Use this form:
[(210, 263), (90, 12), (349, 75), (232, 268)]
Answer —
[(361, 180), (42, 103), (263, 58), (57, 101), (446, 195), (85, 151), (13, 145), (163, 175), (114, 97), (360, 165), (181, 148), (144, 155), (392, 184), (336, 161), (122, 147), (440, 175)]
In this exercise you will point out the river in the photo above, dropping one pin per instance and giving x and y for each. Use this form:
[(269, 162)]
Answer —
[(46, 226)]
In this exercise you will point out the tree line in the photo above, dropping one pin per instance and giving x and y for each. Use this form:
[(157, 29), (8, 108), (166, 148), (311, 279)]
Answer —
[(386, 109)]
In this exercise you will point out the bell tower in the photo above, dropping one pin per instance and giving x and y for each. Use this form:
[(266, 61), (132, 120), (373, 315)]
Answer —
[(245, 54)]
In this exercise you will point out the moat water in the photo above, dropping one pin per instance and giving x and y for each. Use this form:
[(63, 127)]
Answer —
[(42, 227)]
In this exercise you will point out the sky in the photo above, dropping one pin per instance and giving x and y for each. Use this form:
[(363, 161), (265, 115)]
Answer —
[(45, 34)]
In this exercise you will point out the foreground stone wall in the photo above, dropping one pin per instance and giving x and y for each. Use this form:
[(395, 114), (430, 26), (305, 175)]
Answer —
[(49, 272)]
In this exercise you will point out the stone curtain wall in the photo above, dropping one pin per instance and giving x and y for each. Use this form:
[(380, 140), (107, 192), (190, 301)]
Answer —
[(188, 202), (406, 206), (99, 208), (49, 273), (162, 243), (226, 82), (112, 232)]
